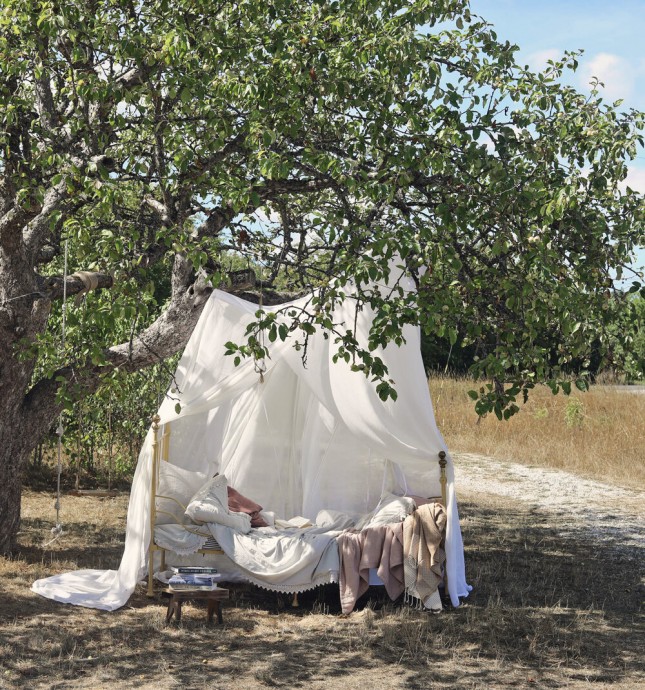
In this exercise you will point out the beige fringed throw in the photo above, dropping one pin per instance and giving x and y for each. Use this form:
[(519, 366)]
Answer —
[(422, 553)]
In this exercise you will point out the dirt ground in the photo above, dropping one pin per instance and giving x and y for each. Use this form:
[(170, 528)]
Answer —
[(555, 604)]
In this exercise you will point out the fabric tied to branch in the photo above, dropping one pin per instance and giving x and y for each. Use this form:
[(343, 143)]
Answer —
[(90, 281)]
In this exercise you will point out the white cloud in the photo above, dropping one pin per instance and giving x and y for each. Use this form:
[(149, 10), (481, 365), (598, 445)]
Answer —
[(270, 218), (635, 180), (616, 73), (538, 61)]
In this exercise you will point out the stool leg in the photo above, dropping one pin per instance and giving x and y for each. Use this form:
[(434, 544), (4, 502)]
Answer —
[(171, 610), (178, 611), (214, 607)]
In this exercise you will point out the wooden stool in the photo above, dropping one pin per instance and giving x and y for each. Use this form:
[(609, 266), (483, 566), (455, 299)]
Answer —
[(212, 596)]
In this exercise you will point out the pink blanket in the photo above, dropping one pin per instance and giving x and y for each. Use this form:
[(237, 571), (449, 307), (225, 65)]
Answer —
[(375, 547), (241, 504)]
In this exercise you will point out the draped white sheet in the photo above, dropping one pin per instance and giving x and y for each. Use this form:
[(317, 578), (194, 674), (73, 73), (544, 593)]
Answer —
[(307, 438)]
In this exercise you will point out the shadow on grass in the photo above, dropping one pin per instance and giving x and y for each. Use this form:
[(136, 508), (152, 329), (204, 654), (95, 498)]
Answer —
[(547, 609)]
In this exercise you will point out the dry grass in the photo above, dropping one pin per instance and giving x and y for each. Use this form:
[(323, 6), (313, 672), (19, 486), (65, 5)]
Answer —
[(546, 611), (599, 434)]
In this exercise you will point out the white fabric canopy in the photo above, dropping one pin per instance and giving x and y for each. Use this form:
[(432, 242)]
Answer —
[(307, 438)]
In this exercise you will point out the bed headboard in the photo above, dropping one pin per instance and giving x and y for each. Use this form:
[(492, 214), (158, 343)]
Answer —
[(159, 452), (154, 476)]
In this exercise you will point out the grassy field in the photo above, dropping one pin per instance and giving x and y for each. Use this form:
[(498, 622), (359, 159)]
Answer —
[(549, 608), (599, 434)]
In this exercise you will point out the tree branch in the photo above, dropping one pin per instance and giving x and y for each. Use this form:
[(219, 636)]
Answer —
[(37, 228), (159, 208), (163, 338)]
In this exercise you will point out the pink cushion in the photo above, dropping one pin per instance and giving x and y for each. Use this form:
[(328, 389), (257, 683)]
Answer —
[(241, 504)]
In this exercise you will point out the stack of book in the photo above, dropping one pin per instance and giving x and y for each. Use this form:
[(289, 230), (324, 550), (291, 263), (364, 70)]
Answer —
[(197, 578)]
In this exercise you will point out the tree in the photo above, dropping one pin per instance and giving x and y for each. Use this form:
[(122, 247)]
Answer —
[(626, 340), (317, 139)]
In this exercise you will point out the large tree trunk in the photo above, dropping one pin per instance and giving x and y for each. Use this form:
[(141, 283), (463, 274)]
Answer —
[(17, 439), (21, 318), (12, 460)]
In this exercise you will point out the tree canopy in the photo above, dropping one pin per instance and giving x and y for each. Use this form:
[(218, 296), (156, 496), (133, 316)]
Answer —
[(319, 140)]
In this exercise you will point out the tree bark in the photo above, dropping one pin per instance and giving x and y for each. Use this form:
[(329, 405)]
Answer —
[(14, 454), (20, 319), (54, 287), (10, 502)]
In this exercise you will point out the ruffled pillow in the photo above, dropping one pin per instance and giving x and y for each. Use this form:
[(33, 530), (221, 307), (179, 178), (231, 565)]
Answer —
[(210, 504)]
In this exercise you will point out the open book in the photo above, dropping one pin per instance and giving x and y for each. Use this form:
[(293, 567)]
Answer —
[(298, 522)]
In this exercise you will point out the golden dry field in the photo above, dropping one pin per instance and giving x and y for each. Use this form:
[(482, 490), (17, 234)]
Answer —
[(598, 434)]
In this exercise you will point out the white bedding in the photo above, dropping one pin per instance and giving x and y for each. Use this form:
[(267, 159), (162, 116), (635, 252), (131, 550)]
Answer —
[(290, 560), (181, 539), (285, 560), (282, 560)]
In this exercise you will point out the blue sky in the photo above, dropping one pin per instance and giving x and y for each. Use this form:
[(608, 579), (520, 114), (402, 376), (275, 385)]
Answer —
[(611, 32)]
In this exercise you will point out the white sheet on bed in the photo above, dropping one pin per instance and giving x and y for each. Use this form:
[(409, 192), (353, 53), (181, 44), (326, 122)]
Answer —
[(292, 560), (181, 539)]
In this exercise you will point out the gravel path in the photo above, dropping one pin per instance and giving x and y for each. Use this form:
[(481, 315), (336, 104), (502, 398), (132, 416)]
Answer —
[(599, 511)]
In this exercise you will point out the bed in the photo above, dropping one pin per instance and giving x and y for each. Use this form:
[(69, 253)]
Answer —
[(294, 556)]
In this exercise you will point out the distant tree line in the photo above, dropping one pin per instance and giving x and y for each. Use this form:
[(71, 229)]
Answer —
[(624, 357)]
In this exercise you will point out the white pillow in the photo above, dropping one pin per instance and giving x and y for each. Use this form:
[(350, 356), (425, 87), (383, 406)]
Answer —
[(391, 508), (213, 489), (175, 488), (268, 516), (210, 504), (334, 520)]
